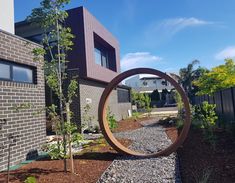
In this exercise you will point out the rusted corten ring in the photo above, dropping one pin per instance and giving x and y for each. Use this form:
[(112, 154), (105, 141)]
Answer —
[(104, 123)]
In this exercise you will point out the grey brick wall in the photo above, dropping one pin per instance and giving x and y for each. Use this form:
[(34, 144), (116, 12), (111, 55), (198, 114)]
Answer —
[(31, 128), (93, 90)]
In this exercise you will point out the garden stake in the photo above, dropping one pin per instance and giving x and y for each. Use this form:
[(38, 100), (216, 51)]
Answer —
[(11, 142)]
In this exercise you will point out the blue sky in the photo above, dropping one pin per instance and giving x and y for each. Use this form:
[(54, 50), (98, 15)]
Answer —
[(162, 34)]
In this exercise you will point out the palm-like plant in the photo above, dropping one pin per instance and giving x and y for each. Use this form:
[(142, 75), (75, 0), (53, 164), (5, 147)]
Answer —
[(187, 75)]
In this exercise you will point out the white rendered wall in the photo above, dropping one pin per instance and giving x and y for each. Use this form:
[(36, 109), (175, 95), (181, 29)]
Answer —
[(7, 16)]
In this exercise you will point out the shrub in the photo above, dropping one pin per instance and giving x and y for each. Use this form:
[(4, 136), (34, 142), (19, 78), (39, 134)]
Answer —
[(180, 104), (205, 117), (87, 117), (179, 123), (30, 180), (136, 115), (111, 119), (206, 114)]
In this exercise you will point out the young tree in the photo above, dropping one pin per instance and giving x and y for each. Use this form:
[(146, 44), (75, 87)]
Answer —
[(220, 77), (57, 41)]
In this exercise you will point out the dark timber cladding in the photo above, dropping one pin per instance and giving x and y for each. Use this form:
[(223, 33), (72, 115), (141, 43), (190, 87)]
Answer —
[(89, 33)]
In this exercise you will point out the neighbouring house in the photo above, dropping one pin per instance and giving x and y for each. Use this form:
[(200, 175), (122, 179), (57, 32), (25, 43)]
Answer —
[(21, 84), (94, 59), (147, 83)]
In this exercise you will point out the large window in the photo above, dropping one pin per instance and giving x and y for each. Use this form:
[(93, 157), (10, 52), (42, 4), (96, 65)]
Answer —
[(16, 72), (104, 53), (123, 95), (101, 57)]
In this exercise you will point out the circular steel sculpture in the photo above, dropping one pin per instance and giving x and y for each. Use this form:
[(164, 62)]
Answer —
[(104, 123)]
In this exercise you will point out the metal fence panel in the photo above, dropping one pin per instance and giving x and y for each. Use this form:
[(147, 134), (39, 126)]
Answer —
[(224, 100), (211, 99), (218, 102), (227, 103)]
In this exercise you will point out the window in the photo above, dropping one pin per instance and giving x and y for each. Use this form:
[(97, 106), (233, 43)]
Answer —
[(123, 95), (101, 57), (164, 82), (22, 74), (145, 83), (4, 71), (16, 72), (104, 53)]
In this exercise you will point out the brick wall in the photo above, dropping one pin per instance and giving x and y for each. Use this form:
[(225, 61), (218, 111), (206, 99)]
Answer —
[(30, 127), (93, 90)]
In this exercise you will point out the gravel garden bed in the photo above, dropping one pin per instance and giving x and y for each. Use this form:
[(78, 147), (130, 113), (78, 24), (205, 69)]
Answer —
[(151, 138)]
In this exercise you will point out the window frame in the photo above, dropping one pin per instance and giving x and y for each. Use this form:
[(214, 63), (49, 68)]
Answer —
[(12, 64), (102, 54)]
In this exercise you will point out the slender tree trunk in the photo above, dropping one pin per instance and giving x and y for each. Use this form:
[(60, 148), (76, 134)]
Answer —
[(69, 138), (61, 94)]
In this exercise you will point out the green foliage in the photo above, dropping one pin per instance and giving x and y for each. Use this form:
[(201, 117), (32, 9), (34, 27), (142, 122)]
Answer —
[(55, 151), (57, 41), (206, 114), (180, 104), (179, 123), (111, 119), (187, 77), (30, 179), (136, 115), (155, 96), (220, 77), (142, 100), (38, 54), (87, 117), (205, 117), (72, 88)]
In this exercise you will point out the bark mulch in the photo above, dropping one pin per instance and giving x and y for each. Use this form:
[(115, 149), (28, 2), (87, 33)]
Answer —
[(129, 124), (199, 159), (89, 166)]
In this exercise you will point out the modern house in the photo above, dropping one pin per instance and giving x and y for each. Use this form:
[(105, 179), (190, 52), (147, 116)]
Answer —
[(21, 93), (94, 59), (147, 83)]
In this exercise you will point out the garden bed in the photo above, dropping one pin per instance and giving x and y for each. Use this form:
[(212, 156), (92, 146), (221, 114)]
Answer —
[(129, 124), (89, 166), (199, 159)]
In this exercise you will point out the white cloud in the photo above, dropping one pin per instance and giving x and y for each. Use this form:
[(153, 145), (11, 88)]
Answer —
[(228, 52), (138, 59), (166, 29), (175, 25)]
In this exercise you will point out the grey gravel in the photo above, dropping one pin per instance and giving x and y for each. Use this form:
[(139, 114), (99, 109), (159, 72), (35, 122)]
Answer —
[(127, 169)]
